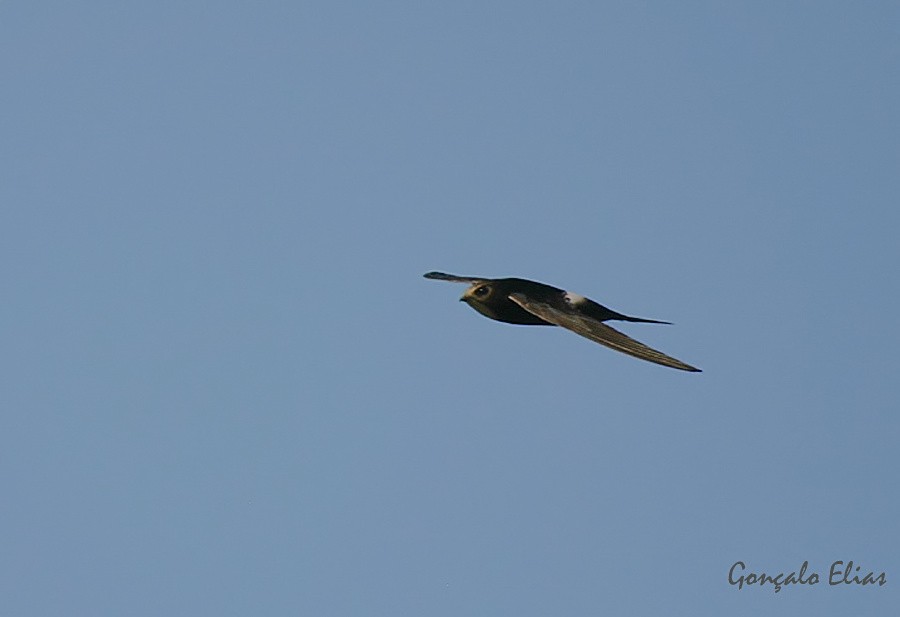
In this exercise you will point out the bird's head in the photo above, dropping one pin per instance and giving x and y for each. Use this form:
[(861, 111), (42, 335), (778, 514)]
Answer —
[(483, 297), (477, 293)]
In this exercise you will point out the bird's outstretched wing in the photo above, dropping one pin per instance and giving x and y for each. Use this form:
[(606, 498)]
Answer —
[(572, 319), (440, 276)]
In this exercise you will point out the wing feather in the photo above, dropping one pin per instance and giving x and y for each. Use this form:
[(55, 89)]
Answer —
[(441, 276), (597, 331)]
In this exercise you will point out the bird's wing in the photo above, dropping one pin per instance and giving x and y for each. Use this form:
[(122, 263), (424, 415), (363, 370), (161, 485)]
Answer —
[(571, 319), (440, 276)]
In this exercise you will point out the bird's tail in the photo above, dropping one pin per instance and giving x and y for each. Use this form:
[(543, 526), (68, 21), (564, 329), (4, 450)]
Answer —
[(642, 320)]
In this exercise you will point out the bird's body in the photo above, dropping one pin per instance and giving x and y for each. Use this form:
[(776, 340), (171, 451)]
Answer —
[(501, 308), (524, 302)]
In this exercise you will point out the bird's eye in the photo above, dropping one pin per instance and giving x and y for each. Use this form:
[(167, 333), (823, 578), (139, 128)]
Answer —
[(481, 291)]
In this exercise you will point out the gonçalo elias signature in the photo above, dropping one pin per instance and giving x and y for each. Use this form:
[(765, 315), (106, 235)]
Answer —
[(840, 573)]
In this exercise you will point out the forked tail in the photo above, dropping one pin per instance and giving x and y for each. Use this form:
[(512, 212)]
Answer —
[(641, 320)]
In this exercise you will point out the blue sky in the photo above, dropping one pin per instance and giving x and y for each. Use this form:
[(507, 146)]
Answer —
[(227, 390)]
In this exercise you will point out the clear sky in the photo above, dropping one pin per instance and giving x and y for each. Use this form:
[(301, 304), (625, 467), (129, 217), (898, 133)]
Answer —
[(226, 388)]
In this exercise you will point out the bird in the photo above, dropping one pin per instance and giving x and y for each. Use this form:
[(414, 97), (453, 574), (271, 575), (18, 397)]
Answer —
[(524, 302)]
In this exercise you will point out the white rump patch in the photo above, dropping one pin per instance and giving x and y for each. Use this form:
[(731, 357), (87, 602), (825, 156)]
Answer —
[(574, 298)]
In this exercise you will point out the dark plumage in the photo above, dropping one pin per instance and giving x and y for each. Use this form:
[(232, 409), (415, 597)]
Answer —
[(520, 301)]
